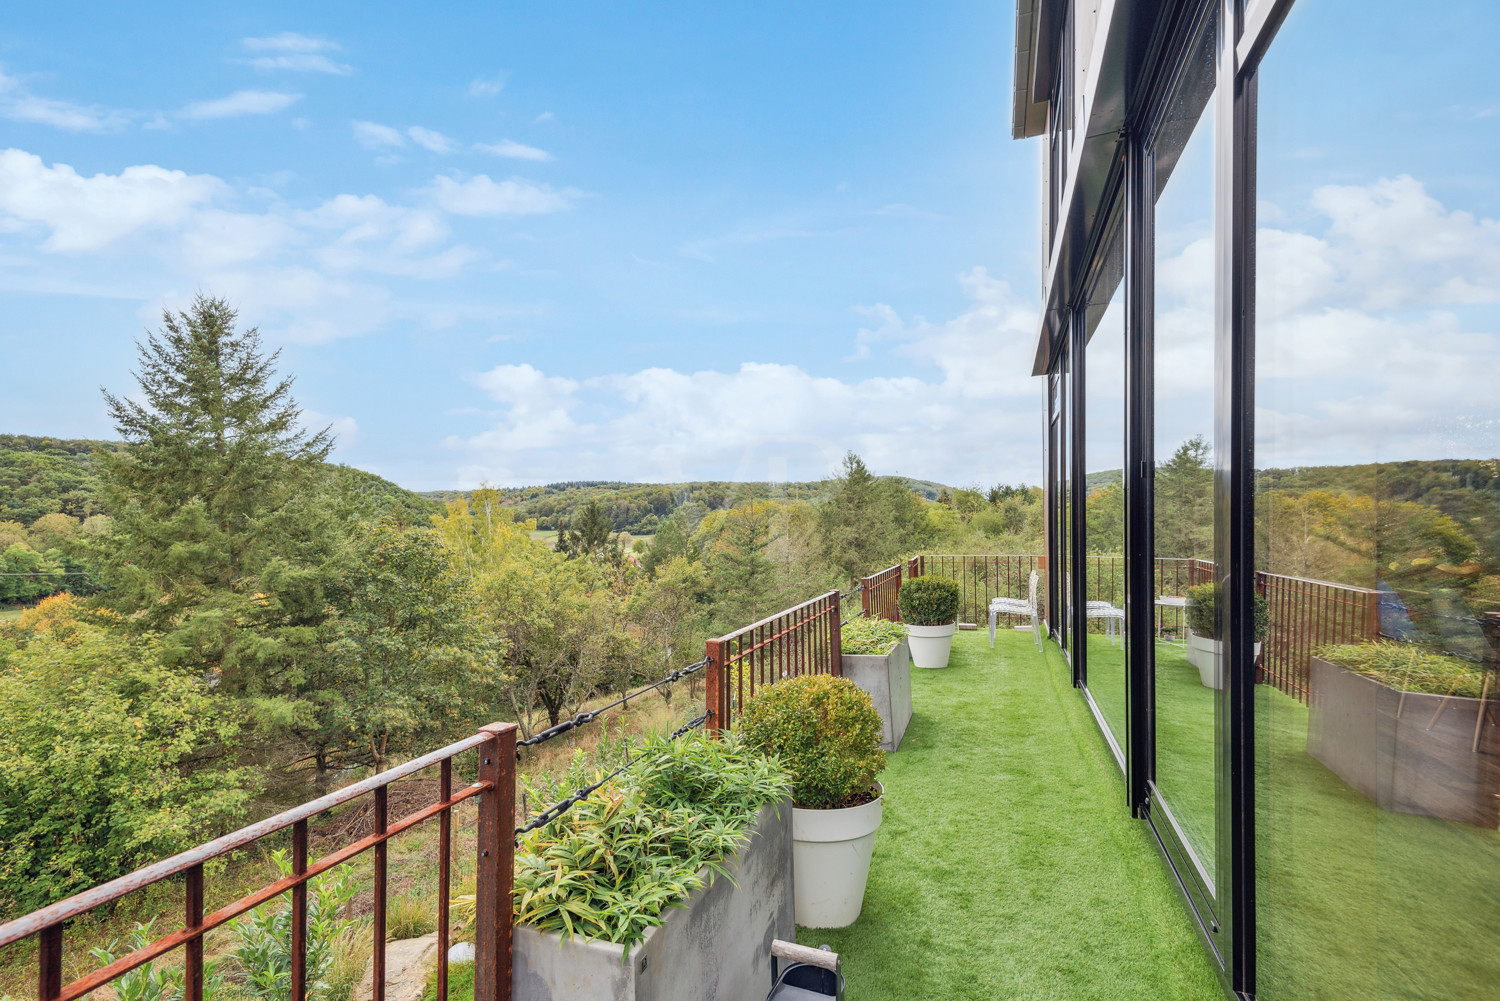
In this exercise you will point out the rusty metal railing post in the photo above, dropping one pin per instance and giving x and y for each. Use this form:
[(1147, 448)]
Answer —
[(493, 924), (299, 914), (49, 962), (713, 687), (192, 960), (835, 636)]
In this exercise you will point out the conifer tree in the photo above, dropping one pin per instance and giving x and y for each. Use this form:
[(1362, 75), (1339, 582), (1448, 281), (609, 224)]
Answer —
[(220, 541)]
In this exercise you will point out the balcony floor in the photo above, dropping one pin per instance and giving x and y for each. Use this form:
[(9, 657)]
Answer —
[(1007, 866)]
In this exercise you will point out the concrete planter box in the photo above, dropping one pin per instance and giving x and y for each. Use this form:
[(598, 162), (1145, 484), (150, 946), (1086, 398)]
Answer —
[(718, 948), (887, 677), (1402, 752)]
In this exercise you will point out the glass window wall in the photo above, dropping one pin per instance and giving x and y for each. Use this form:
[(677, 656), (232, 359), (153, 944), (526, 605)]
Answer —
[(1186, 651), (1377, 501)]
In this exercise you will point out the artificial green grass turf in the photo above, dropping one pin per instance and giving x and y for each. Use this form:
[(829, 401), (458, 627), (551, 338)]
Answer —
[(1008, 865), (1355, 903)]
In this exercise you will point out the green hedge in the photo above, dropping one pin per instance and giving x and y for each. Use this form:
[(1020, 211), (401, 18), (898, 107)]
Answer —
[(1202, 617), (929, 601), (825, 731)]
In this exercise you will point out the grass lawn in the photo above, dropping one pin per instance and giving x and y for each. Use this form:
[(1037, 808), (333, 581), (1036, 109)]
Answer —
[(1007, 866)]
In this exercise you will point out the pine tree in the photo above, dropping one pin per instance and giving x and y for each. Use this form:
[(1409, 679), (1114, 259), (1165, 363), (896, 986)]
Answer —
[(221, 540)]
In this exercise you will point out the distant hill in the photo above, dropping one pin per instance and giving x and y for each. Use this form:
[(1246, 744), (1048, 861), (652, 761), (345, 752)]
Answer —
[(41, 475), (640, 507)]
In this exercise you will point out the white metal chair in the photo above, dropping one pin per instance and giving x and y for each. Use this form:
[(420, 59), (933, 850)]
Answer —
[(1113, 617), (1018, 606)]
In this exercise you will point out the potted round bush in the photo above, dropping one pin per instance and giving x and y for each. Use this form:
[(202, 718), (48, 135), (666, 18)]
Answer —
[(929, 607), (1203, 646), (826, 732)]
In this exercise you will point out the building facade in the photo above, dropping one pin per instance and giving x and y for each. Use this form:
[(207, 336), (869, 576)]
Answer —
[(1271, 347)]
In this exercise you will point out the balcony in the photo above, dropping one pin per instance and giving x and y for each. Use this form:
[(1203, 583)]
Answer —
[(1007, 866)]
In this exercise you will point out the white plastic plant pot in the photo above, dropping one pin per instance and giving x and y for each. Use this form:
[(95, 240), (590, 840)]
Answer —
[(831, 851), (930, 645), (1207, 656)]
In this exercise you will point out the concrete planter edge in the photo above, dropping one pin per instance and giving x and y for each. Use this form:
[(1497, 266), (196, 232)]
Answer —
[(887, 679), (717, 946)]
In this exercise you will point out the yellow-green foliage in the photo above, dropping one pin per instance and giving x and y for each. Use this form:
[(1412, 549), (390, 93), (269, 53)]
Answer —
[(1407, 667), (869, 635), (825, 730)]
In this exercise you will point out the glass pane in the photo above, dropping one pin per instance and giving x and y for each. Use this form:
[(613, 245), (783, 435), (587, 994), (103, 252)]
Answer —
[(1065, 506), (1186, 662), (1104, 499), (1378, 503)]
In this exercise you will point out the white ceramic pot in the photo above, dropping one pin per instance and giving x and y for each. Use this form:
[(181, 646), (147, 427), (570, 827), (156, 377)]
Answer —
[(1204, 654), (930, 645), (831, 852)]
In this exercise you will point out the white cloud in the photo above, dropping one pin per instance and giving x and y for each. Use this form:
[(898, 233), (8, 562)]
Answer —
[(1377, 339), (345, 429), (481, 196), (513, 150), (545, 116), (298, 53), (486, 86), (18, 104), (430, 140), (241, 102), (967, 396), (374, 136), (87, 213)]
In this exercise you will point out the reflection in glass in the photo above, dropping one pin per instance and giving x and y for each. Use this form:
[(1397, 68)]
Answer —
[(1104, 498), (1377, 509), (1186, 662), (1065, 505)]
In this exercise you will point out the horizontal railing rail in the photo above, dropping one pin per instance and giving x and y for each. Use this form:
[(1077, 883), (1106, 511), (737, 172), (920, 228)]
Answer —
[(804, 639), (495, 790)]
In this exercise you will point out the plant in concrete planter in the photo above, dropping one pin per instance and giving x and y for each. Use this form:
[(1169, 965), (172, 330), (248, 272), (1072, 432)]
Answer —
[(929, 607), (878, 660), (871, 636), (1405, 725), (1203, 646), (826, 732)]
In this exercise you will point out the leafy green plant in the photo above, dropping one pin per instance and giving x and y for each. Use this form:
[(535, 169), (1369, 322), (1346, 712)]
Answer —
[(868, 635), (151, 981), (929, 601), (262, 952), (1202, 615), (1407, 667), (825, 730), (609, 867)]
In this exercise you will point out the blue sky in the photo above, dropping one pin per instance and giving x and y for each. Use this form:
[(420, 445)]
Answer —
[(521, 244)]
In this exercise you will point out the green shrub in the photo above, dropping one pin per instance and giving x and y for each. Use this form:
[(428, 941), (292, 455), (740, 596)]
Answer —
[(262, 951), (867, 635), (610, 866), (929, 601), (1407, 667), (1202, 616), (826, 732)]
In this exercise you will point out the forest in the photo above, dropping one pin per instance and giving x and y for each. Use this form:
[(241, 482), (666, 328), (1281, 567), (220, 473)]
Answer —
[(251, 624)]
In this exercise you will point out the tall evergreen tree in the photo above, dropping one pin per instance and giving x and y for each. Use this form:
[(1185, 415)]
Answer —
[(869, 522), (220, 541)]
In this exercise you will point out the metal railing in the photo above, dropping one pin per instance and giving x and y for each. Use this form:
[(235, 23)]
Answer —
[(980, 578), (878, 593), (495, 791), (1306, 614), (804, 639)]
